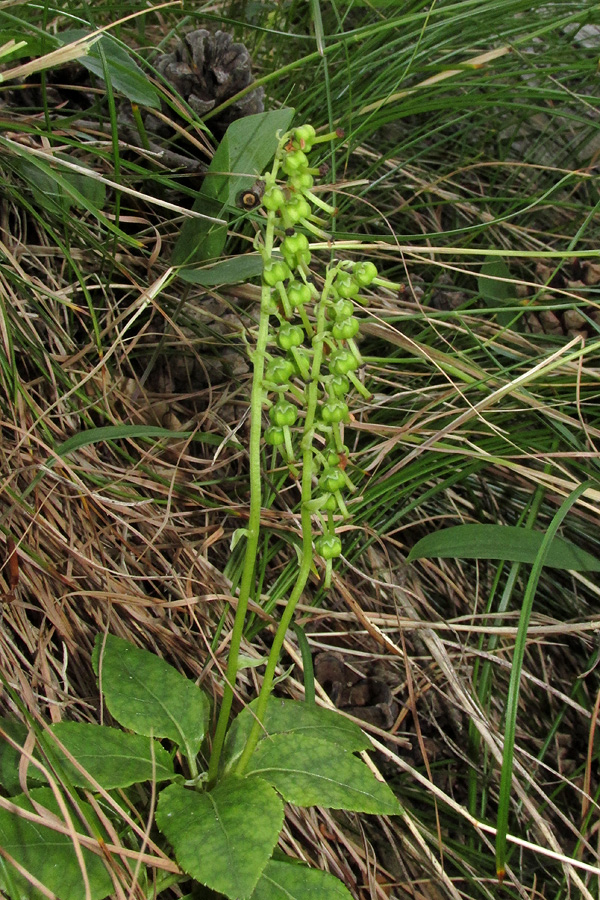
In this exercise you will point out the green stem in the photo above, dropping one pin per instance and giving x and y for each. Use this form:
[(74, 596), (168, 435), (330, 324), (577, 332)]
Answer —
[(305, 565), (256, 403)]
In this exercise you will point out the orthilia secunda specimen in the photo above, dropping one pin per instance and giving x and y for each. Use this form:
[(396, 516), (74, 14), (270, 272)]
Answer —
[(311, 354), (305, 366)]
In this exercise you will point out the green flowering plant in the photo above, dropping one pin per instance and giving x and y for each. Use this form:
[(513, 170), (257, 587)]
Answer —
[(300, 360), (222, 820)]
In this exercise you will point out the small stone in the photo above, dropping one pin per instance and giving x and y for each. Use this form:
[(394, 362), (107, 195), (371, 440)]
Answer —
[(544, 272), (591, 273), (533, 324), (550, 322), (578, 288), (574, 320)]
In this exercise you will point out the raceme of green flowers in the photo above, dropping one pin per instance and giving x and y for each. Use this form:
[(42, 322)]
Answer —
[(312, 357)]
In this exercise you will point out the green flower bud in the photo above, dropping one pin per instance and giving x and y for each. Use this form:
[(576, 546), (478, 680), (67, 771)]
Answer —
[(328, 546), (330, 504), (342, 309), (274, 436), (339, 385), (303, 137), (295, 250), (290, 336), (341, 362), (345, 285), (334, 411), (343, 331), (297, 209), (365, 273), (283, 413), (302, 181), (294, 161), (279, 370), (274, 199), (299, 293), (294, 243), (332, 480), (275, 271)]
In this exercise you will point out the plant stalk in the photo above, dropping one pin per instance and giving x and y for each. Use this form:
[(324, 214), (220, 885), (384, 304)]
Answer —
[(306, 523), (253, 531)]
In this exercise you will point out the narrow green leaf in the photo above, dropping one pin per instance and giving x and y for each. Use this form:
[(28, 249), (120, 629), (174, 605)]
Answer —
[(287, 881), (507, 542), (110, 756), (512, 702), (229, 271), (495, 292), (147, 695), (307, 665), (125, 75), (49, 855), (247, 148), (115, 433), (223, 838), (310, 772), (120, 432), (298, 720)]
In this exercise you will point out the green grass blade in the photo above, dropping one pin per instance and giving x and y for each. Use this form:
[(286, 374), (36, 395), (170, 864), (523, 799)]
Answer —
[(515, 676)]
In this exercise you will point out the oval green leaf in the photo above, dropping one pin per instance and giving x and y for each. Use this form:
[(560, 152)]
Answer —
[(110, 756), (310, 772), (58, 191), (10, 757), (295, 718), (201, 240), (147, 695), (223, 838), (48, 855), (287, 881), (109, 59), (247, 148), (506, 542)]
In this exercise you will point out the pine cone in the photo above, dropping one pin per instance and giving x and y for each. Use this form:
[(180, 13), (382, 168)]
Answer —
[(207, 69)]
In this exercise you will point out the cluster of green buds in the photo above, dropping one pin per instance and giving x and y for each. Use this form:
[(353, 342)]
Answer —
[(312, 357)]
